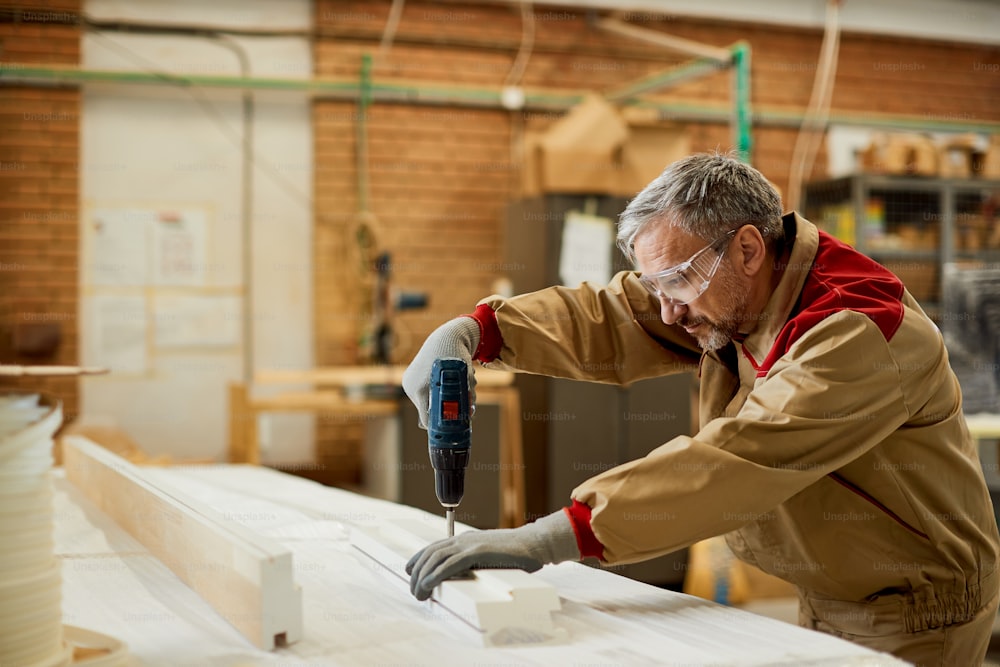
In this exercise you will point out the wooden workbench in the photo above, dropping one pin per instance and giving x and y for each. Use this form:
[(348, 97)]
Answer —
[(339, 390), (354, 614)]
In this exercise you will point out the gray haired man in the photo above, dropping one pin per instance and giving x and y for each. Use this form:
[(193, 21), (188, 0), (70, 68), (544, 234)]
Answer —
[(825, 396)]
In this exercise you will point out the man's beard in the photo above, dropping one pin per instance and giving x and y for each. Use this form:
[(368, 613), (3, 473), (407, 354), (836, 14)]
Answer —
[(735, 301)]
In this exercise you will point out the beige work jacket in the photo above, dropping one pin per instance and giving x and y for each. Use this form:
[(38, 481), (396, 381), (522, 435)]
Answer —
[(832, 449)]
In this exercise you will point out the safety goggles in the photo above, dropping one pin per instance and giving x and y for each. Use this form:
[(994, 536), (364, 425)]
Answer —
[(685, 282)]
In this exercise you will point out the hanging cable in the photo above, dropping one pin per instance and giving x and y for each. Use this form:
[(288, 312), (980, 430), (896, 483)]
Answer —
[(514, 76), (228, 131), (391, 24), (243, 140), (246, 204), (527, 45), (818, 112)]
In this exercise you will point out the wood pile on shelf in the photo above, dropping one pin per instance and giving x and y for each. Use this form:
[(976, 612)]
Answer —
[(958, 156)]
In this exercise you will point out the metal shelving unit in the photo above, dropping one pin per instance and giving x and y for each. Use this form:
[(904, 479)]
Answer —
[(912, 225)]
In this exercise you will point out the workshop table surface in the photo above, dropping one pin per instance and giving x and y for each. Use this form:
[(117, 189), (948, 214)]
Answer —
[(356, 613)]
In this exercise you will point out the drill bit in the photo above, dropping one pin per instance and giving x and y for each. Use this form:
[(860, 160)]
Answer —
[(450, 515)]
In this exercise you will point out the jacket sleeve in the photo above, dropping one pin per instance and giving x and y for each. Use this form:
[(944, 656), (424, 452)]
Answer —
[(610, 334), (833, 396)]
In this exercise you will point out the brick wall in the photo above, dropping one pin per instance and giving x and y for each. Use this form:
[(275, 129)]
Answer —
[(441, 176), (39, 193)]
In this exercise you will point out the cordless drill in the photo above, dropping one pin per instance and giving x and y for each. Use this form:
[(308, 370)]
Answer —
[(449, 433)]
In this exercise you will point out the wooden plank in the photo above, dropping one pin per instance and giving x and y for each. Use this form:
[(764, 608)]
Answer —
[(338, 376), (244, 576), (982, 426), (507, 607), (42, 371), (332, 401), (239, 418)]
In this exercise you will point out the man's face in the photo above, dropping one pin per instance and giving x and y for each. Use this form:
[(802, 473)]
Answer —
[(714, 317)]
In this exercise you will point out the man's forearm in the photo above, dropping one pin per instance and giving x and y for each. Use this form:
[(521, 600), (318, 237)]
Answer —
[(610, 334)]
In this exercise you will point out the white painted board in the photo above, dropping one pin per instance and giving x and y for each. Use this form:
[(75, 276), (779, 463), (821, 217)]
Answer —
[(355, 615)]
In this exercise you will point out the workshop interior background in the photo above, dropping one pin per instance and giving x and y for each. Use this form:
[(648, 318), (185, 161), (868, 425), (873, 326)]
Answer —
[(381, 172)]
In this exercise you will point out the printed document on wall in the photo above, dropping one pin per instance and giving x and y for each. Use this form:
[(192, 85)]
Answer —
[(117, 244), (116, 333), (179, 246), (586, 249), (136, 247)]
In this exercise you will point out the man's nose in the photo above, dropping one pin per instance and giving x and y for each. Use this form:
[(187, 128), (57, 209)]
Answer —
[(671, 311)]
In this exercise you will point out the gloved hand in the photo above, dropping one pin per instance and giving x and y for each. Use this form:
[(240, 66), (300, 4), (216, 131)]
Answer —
[(457, 338), (550, 539)]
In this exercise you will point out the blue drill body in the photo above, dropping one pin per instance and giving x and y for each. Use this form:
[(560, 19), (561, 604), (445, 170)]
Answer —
[(449, 431)]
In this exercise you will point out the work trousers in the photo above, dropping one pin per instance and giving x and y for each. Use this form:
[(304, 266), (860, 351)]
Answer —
[(880, 627)]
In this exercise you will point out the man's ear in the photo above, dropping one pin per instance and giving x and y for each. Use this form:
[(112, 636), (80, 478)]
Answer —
[(750, 250)]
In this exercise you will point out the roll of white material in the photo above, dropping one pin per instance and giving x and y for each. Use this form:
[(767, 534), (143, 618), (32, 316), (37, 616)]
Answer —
[(30, 581), (31, 629)]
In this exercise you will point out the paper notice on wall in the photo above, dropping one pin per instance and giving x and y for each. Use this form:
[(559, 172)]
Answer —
[(197, 321), (116, 335), (117, 240), (586, 249), (136, 247), (179, 245)]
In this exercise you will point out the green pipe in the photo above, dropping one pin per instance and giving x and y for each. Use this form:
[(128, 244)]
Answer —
[(364, 100), (695, 113), (13, 74), (743, 125), (348, 90)]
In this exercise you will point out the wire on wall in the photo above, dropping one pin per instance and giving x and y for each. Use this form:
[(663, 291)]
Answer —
[(391, 24), (527, 45), (818, 112), (243, 140), (513, 79), (232, 135)]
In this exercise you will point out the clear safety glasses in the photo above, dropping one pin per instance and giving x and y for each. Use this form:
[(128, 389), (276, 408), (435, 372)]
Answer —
[(685, 282)]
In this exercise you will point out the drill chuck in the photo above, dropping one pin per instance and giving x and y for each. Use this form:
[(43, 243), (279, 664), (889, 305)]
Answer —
[(449, 474)]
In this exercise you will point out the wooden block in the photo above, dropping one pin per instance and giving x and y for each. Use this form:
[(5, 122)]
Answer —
[(508, 607), (990, 165), (957, 156), (242, 424), (244, 576)]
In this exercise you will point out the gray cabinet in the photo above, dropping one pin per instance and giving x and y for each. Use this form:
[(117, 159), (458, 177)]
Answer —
[(911, 225), (942, 238), (595, 427), (574, 430)]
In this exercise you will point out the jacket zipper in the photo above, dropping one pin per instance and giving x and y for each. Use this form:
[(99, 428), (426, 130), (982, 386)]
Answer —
[(895, 517)]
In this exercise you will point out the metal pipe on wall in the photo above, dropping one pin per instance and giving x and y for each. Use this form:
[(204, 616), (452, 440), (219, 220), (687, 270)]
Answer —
[(246, 206), (346, 90), (742, 121)]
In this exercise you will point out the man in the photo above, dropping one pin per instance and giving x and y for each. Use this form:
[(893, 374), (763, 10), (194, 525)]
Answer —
[(829, 416)]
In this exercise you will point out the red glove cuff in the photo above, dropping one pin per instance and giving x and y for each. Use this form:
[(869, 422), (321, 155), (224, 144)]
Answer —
[(586, 541), (490, 340)]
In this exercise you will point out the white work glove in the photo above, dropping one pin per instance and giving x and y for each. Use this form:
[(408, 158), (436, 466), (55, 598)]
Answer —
[(458, 339), (550, 539)]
